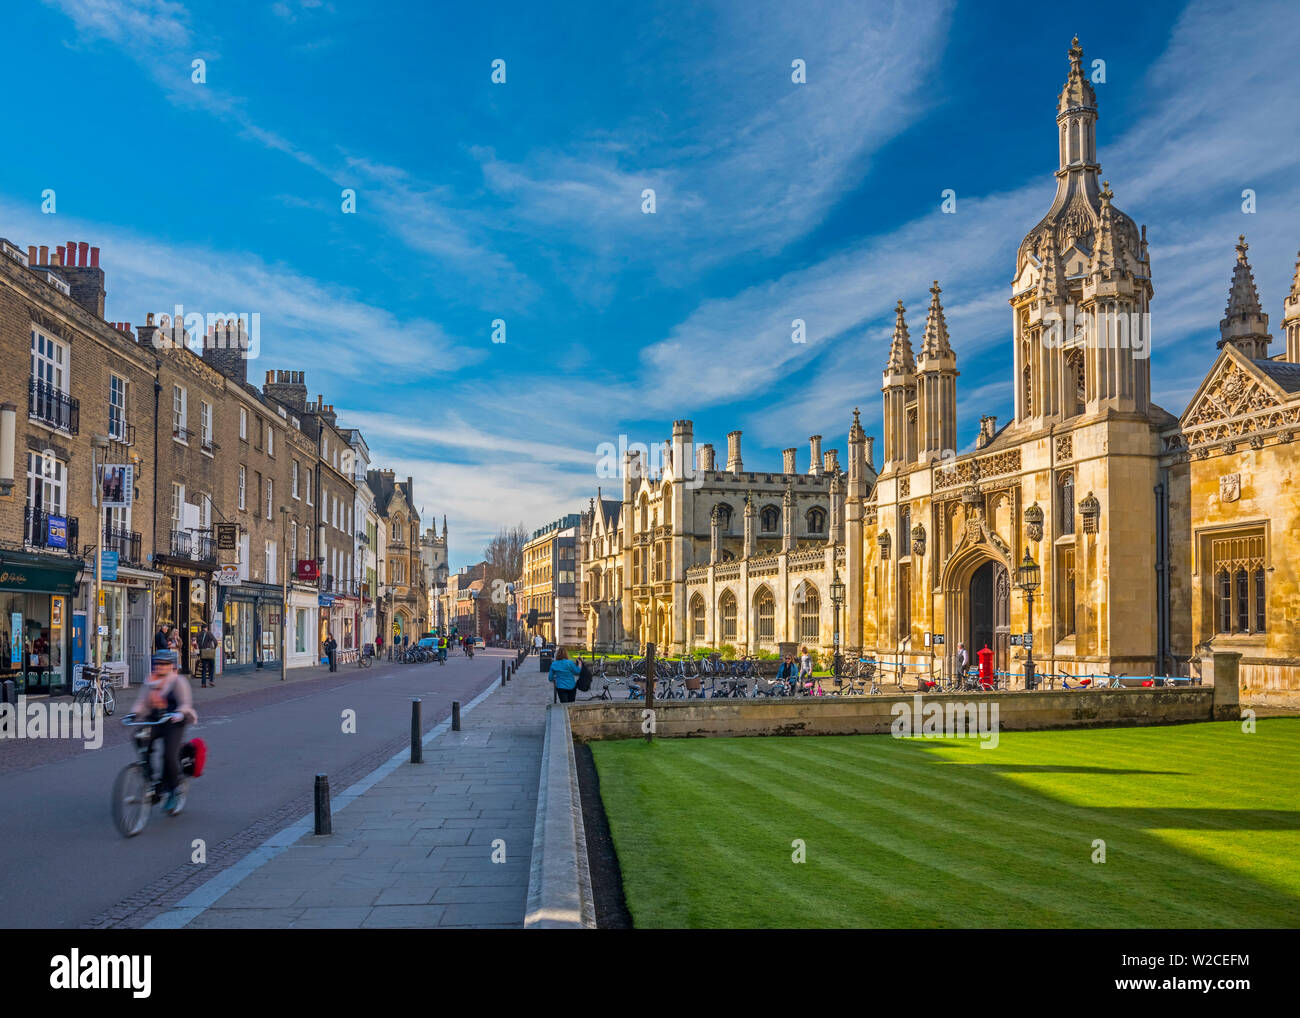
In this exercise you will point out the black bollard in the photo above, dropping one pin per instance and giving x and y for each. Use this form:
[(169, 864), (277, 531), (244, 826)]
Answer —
[(8, 693), (455, 715), (503, 673), (417, 747), (323, 825)]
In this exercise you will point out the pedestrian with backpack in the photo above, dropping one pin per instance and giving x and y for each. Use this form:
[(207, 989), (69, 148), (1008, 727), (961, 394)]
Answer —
[(564, 675), (207, 656)]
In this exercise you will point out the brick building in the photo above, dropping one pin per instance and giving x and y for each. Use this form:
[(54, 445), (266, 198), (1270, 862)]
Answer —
[(83, 383)]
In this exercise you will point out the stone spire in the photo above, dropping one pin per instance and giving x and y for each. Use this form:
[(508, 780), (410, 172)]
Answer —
[(935, 342), (856, 434), (1077, 92), (901, 361), (1106, 259), (1244, 324), (1051, 285), (1291, 317)]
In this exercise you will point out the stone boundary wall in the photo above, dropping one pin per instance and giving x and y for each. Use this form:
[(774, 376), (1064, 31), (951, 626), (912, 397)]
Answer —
[(872, 715)]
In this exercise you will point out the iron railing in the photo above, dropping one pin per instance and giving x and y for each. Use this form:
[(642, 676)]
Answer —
[(36, 531), (125, 542), (53, 406)]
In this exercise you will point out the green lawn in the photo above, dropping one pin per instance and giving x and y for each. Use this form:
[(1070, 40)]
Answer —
[(1201, 826)]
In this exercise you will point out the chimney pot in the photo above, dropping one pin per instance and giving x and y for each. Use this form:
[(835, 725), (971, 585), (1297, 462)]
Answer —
[(83, 253), (94, 257), (789, 465), (31, 255), (71, 257)]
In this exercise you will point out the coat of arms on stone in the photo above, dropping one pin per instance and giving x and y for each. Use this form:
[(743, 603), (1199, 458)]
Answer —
[(1229, 487)]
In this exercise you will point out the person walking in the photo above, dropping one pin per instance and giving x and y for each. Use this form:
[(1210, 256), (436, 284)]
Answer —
[(207, 656), (537, 643), (805, 667), (160, 637), (564, 676), (963, 660), (330, 647)]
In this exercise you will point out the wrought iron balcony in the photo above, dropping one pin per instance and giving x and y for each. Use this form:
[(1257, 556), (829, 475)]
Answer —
[(52, 406), (36, 531), (125, 542), (197, 545)]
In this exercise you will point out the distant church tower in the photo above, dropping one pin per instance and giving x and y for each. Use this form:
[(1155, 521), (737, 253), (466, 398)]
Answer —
[(899, 390), (1083, 267), (936, 386)]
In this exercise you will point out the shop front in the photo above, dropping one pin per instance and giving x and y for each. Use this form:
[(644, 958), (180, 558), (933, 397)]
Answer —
[(36, 627), (304, 615), (126, 613), (252, 626), (184, 600)]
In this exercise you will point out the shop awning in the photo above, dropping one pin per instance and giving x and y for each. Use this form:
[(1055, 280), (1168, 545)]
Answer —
[(39, 574)]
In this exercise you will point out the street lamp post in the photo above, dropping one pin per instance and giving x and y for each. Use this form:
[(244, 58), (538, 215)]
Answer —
[(284, 590), (99, 444), (837, 599), (1030, 576)]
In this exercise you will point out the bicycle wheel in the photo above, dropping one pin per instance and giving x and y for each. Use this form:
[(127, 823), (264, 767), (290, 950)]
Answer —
[(110, 701), (130, 801)]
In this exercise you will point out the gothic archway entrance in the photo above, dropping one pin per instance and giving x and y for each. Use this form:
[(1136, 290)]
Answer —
[(990, 613)]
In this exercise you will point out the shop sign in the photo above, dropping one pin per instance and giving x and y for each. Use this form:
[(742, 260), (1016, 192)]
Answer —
[(56, 612), (57, 531), (325, 600), (117, 485), (108, 565), (227, 536), (227, 576), (16, 647), (308, 570)]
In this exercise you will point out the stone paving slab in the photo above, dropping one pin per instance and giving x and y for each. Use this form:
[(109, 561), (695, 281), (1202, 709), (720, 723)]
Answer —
[(415, 849)]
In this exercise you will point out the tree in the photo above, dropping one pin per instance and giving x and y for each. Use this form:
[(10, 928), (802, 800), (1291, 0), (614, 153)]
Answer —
[(503, 559)]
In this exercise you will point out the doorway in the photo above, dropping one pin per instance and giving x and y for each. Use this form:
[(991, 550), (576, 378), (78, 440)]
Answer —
[(990, 614)]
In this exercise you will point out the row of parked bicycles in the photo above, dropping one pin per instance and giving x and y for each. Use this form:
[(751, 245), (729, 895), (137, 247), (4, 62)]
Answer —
[(710, 678)]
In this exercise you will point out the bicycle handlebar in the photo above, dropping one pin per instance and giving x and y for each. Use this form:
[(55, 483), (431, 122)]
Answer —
[(130, 722)]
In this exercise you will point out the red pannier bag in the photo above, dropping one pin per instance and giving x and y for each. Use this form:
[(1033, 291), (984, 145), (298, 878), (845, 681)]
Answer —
[(194, 754)]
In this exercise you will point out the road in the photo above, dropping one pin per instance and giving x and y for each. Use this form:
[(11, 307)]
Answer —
[(62, 863)]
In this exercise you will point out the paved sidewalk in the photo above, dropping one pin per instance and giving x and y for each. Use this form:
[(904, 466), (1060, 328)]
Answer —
[(415, 849)]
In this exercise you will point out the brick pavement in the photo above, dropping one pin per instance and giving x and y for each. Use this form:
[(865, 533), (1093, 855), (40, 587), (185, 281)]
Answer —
[(416, 847)]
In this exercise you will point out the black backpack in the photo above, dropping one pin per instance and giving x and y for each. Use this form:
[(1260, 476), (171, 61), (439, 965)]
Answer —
[(584, 677)]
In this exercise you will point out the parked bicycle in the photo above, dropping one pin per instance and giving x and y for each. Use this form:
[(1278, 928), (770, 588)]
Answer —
[(98, 692)]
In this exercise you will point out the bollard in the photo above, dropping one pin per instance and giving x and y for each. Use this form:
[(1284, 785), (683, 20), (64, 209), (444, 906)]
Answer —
[(455, 715), (323, 825), (8, 692), (417, 747), (503, 673)]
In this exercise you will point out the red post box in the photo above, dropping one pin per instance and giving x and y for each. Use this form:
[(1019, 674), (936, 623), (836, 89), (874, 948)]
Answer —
[(986, 662)]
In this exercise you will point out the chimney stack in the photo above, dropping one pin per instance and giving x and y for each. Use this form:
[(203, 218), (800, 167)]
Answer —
[(789, 465), (734, 463), (831, 461), (871, 451), (814, 454), (705, 458)]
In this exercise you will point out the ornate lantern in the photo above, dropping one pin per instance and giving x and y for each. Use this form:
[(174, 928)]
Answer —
[(1090, 509), (1029, 574), (918, 539), (884, 541), (1034, 522)]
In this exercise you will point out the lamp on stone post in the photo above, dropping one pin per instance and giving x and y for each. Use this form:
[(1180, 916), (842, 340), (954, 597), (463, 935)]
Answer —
[(1030, 577), (837, 599)]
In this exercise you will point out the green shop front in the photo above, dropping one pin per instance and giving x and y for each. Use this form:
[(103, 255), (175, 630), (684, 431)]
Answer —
[(39, 637), (252, 633)]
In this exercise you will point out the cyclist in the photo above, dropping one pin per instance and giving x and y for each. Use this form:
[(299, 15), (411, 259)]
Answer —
[(166, 692)]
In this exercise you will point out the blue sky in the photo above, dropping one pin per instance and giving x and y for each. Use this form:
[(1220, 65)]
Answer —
[(522, 202)]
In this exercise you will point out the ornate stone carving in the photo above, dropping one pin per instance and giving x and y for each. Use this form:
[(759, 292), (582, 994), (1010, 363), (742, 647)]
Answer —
[(905, 487), (1090, 510), (1034, 522), (1064, 447), (918, 539), (1229, 487)]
